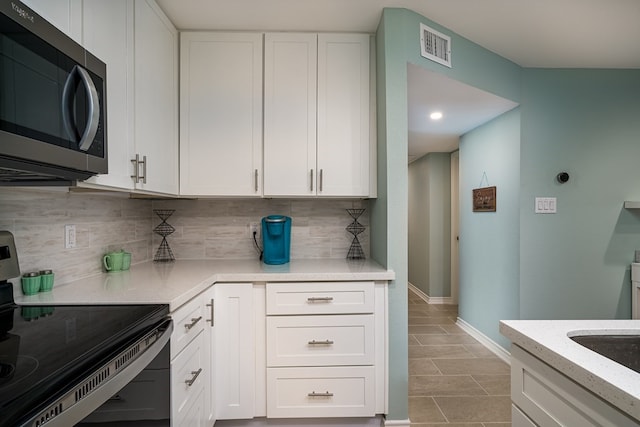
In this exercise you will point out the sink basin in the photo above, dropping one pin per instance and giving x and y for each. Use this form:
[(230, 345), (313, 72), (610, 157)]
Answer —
[(623, 349)]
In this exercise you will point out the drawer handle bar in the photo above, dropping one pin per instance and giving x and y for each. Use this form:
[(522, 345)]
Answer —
[(193, 322), (320, 299), (193, 378), (213, 308), (314, 394), (325, 342)]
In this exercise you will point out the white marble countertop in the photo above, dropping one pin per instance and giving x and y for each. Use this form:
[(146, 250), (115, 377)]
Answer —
[(549, 341), (177, 282)]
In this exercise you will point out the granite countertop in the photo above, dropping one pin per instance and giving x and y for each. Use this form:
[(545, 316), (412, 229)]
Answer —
[(175, 283), (549, 341)]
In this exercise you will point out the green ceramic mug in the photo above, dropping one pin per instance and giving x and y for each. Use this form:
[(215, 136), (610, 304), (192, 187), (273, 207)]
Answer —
[(113, 261)]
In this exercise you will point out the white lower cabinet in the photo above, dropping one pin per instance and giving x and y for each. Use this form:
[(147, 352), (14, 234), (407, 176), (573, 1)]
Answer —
[(543, 396), (190, 369), (234, 349), (326, 349)]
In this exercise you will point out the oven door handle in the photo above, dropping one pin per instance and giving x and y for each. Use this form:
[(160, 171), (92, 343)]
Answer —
[(78, 410)]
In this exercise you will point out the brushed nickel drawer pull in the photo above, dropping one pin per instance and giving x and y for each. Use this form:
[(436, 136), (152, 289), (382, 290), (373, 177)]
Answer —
[(325, 394), (212, 312), (193, 322), (320, 299), (193, 378), (325, 342)]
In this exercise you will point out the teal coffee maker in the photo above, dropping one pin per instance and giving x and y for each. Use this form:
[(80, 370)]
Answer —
[(276, 239)]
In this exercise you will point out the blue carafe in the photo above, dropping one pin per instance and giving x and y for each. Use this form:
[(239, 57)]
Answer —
[(276, 239)]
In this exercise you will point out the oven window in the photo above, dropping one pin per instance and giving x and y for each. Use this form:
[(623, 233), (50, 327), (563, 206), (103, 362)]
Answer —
[(34, 77)]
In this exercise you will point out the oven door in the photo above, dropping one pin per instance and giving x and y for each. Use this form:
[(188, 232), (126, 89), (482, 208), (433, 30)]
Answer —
[(86, 395)]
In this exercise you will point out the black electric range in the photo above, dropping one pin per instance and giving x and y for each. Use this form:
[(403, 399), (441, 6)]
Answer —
[(59, 363)]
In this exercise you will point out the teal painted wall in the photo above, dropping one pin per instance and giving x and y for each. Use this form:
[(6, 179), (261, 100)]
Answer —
[(430, 224), (397, 43), (575, 264), (489, 241)]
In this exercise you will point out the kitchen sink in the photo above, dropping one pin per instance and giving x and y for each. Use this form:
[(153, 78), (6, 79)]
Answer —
[(623, 349)]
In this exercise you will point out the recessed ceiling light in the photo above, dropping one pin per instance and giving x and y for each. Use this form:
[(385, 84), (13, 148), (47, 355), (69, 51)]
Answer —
[(436, 115)]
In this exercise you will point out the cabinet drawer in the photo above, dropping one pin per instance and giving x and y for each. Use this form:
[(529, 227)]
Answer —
[(320, 340), (320, 298), (188, 373), (188, 322), (346, 391)]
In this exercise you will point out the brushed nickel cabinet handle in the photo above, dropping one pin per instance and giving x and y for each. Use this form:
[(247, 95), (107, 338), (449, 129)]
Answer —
[(193, 322), (195, 375), (311, 180), (325, 394), (321, 180), (144, 170), (212, 312), (136, 169), (325, 342), (255, 180), (320, 299)]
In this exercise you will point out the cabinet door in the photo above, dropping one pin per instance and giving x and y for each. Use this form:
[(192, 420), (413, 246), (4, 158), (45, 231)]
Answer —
[(210, 388), (343, 114), (156, 98), (290, 68), (63, 14), (221, 114), (234, 351), (107, 32)]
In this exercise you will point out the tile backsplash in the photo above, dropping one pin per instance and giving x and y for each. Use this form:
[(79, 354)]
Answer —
[(205, 228), (219, 229), (104, 222)]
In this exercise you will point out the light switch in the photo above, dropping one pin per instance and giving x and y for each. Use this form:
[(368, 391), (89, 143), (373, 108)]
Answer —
[(546, 205)]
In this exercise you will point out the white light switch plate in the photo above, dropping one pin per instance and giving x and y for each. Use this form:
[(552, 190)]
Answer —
[(546, 205)]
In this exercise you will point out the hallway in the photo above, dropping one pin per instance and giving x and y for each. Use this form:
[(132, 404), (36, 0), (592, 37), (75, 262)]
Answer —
[(454, 381)]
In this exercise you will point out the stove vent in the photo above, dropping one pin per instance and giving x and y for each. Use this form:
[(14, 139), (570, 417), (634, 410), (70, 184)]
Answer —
[(435, 46)]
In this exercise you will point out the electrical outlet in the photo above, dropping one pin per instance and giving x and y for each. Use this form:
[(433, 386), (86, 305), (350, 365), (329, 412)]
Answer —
[(254, 227), (69, 236)]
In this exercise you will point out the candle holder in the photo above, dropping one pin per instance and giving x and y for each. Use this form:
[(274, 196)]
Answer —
[(355, 228), (164, 254)]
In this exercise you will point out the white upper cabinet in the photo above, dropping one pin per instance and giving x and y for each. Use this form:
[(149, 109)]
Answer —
[(343, 115), (108, 33), (63, 14), (290, 74), (156, 99), (316, 130), (220, 114)]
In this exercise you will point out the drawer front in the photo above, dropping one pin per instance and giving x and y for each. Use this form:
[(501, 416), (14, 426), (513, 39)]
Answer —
[(320, 298), (188, 322), (188, 373), (320, 392), (320, 340)]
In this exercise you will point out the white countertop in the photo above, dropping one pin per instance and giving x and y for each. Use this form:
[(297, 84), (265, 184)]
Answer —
[(549, 341), (175, 283)]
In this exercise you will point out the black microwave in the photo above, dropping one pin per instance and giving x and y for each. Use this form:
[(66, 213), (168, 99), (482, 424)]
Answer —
[(52, 103)]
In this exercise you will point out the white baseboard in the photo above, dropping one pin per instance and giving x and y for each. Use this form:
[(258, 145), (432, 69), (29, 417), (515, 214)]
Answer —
[(427, 298), (494, 347), (397, 423)]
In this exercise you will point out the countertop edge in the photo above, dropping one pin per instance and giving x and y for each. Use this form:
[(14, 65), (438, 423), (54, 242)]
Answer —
[(174, 284), (572, 363)]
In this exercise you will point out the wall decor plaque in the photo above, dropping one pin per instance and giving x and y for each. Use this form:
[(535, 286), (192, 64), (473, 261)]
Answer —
[(484, 199)]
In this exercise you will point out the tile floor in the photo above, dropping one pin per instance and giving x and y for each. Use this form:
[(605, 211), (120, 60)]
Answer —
[(454, 381)]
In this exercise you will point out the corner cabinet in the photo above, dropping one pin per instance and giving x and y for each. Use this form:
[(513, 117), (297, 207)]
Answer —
[(220, 114), (317, 109)]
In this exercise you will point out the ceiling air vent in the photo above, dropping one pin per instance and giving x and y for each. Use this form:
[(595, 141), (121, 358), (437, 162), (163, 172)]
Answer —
[(435, 46)]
